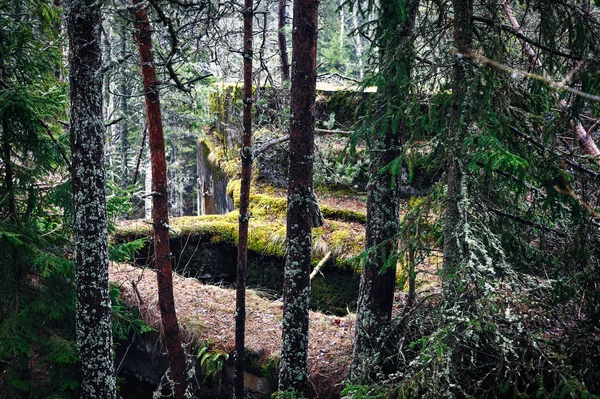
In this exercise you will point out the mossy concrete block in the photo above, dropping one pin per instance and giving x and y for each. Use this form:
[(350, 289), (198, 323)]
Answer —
[(205, 247)]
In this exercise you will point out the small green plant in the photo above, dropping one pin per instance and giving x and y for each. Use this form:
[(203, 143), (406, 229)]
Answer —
[(126, 320), (289, 394), (211, 363), (125, 252), (363, 392)]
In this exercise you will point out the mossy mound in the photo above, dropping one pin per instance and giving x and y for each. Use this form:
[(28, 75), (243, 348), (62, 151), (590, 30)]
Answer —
[(268, 206), (205, 247)]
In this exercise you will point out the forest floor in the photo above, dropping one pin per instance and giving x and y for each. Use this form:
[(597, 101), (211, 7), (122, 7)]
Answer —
[(206, 312), (206, 315)]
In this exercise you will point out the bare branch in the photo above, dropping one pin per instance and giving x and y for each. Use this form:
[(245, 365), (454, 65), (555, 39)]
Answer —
[(520, 73), (317, 268), (174, 42)]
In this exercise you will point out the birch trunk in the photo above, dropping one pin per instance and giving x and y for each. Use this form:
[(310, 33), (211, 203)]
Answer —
[(283, 53)]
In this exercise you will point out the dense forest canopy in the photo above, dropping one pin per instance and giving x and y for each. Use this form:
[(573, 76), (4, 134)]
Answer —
[(442, 152)]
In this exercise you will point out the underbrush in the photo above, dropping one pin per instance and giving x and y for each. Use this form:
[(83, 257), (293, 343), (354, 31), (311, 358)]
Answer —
[(502, 346)]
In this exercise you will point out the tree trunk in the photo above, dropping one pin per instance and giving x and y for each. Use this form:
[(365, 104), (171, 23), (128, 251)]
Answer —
[(242, 256), (455, 250), (376, 292), (283, 53), (90, 224), (6, 155), (301, 201), (359, 46), (160, 216), (342, 36), (8, 177), (124, 144)]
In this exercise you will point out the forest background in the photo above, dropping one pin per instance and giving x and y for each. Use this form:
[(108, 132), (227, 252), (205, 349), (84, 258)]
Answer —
[(475, 120)]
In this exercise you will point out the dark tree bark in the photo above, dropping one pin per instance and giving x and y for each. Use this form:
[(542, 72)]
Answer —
[(160, 214), (6, 153), (376, 292), (8, 177), (242, 256), (301, 201), (90, 224), (455, 250), (283, 53)]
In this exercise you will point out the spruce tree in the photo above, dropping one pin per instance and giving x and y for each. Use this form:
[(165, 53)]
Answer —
[(378, 279)]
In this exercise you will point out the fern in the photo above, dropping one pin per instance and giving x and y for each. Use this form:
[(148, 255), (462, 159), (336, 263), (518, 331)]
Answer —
[(211, 363)]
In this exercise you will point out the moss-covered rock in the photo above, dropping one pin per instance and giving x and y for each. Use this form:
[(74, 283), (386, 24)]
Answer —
[(340, 107), (268, 206), (205, 247)]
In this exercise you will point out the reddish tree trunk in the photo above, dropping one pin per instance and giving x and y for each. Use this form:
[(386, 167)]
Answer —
[(301, 202), (283, 53), (242, 259), (160, 215)]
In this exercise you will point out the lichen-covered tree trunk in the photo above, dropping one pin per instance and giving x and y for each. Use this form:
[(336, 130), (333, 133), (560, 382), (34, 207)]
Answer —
[(283, 53), (242, 255), (376, 292), (301, 201), (455, 248), (90, 224), (160, 214)]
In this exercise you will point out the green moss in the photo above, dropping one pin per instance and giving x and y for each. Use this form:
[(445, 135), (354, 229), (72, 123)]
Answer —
[(267, 239), (262, 206), (345, 215), (270, 206), (344, 104), (339, 241), (255, 363), (217, 157), (348, 241), (266, 234), (270, 370), (221, 103), (233, 190), (266, 206)]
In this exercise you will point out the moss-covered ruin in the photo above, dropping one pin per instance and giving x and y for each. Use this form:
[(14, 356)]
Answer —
[(205, 247)]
